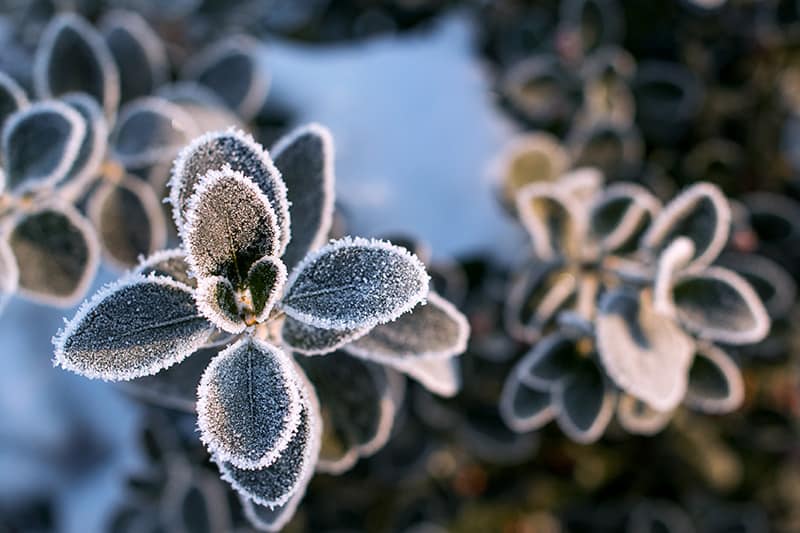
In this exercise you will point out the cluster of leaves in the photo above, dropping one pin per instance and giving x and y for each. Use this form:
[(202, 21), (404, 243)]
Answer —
[(84, 166), (626, 307), (254, 274)]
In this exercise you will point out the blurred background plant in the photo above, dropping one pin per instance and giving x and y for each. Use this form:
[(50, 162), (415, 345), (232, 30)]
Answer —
[(420, 95)]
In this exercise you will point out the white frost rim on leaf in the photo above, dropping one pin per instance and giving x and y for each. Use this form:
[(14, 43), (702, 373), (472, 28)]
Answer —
[(12, 270), (385, 420), (310, 404), (276, 291), (439, 376), (539, 351), (338, 466), (682, 205), (761, 319), (251, 104), (458, 347), (177, 179), (648, 424), (158, 257), (538, 229), (71, 326), (542, 143), (108, 67), (360, 242), (598, 427), (291, 418), (92, 257), (510, 416), (14, 89), (759, 266), (79, 183), (345, 339), (152, 207), (203, 297), (71, 148), (148, 40), (177, 117), (328, 174), (642, 203), (581, 183), (675, 257), (733, 377), (207, 182), (519, 291)]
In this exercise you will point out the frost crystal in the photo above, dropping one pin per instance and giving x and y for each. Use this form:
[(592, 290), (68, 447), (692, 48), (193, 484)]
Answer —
[(355, 283), (305, 159), (93, 147), (248, 404), (216, 300), (308, 340), (229, 226), (434, 330), (169, 263), (130, 329)]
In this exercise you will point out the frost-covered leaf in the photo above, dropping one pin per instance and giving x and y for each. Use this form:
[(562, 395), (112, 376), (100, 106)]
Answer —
[(93, 147), (308, 340), (636, 417), (237, 150), (433, 330), (535, 297), (701, 213), (232, 70), (305, 160), (40, 144), (150, 130), (57, 252), (276, 484), (229, 226), (12, 97), (719, 305), (265, 280), (644, 352), (217, 301), (176, 386), (73, 57), (554, 219), (620, 214), (135, 327), (549, 361), (529, 158), (524, 408), (440, 376), (774, 286), (249, 404), (715, 382), (9, 273), (171, 263), (129, 220), (263, 518), (355, 283), (584, 403), (138, 52), (357, 408)]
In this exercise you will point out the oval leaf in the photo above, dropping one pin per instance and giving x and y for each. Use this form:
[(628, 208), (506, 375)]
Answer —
[(550, 360), (355, 283), (274, 485), (12, 97), (132, 328), (644, 352), (305, 160), (433, 330), (93, 148), (41, 144), (523, 408), (229, 226), (58, 254), (718, 304), (138, 52), (584, 403), (232, 70), (308, 340), (701, 213), (248, 405), (773, 284), (169, 263), (129, 220), (217, 301), (440, 376), (715, 382), (72, 57), (620, 214), (265, 281), (237, 150), (554, 219)]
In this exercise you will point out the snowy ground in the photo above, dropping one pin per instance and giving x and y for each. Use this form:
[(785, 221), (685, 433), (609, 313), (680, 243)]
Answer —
[(415, 128)]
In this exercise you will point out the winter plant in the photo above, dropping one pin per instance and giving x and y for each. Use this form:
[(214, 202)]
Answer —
[(626, 308), (84, 166), (255, 290)]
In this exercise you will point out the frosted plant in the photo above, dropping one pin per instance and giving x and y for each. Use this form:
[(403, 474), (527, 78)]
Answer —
[(254, 274), (625, 307)]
